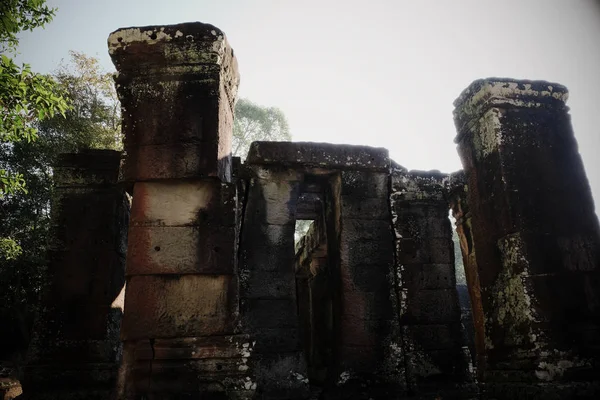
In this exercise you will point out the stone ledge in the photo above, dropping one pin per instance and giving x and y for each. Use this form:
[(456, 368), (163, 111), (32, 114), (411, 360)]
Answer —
[(323, 155)]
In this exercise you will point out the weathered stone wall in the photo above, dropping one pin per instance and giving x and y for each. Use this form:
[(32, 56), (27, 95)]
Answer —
[(75, 348), (536, 240), (436, 361), (364, 354), (177, 85)]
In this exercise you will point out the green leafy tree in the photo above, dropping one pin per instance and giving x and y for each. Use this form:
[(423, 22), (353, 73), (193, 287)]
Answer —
[(25, 97), (253, 123)]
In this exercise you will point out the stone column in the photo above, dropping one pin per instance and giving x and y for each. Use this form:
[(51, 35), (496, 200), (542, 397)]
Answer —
[(268, 281), (75, 350), (430, 312), (177, 85), (366, 337), (536, 238)]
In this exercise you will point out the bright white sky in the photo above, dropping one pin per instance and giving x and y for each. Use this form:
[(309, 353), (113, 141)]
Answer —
[(379, 73)]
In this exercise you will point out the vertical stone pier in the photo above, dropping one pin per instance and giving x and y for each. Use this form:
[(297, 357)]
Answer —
[(368, 349), (536, 239), (268, 281), (177, 85), (75, 350), (436, 361)]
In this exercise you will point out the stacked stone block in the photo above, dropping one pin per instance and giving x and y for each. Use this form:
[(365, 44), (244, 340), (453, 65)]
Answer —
[(536, 239), (368, 337), (177, 85), (268, 282), (75, 349), (429, 310)]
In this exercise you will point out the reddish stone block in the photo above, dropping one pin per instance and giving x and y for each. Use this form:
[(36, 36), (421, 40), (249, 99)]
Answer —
[(176, 306)]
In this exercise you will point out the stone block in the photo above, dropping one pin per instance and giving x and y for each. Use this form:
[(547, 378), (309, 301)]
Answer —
[(164, 117), (181, 68), (89, 219), (265, 284), (189, 348), (201, 249), (433, 337), (368, 278), (266, 258), (365, 184), (367, 305), (357, 229), (277, 340), (436, 367), (259, 314), (326, 155), (432, 307), (267, 251), (272, 202), (417, 277), (355, 253), (281, 376), (425, 225), (426, 251), (182, 203), (85, 277), (358, 359), (363, 332), (174, 306), (368, 208), (87, 168), (483, 94), (170, 161)]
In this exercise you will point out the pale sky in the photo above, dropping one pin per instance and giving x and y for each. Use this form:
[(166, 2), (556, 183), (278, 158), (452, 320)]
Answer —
[(378, 73)]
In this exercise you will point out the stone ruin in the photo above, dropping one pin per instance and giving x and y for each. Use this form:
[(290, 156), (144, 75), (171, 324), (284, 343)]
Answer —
[(220, 302)]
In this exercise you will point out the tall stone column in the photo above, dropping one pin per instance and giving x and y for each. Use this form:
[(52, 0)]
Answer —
[(536, 239), (75, 350), (177, 85), (368, 351), (429, 312), (268, 281)]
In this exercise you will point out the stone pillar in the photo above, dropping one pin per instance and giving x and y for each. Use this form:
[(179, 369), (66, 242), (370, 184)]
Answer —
[(177, 85), (75, 349), (536, 238), (430, 312), (367, 338), (268, 282)]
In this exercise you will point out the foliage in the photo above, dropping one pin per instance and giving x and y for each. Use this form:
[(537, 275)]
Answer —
[(93, 121), (9, 249), (21, 15), (25, 97), (253, 122)]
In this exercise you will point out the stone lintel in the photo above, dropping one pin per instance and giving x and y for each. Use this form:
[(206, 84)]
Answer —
[(324, 155), (483, 94), (419, 185)]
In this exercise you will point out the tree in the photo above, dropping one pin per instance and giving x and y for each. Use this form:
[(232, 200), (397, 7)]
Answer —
[(25, 97), (253, 122), (92, 121)]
